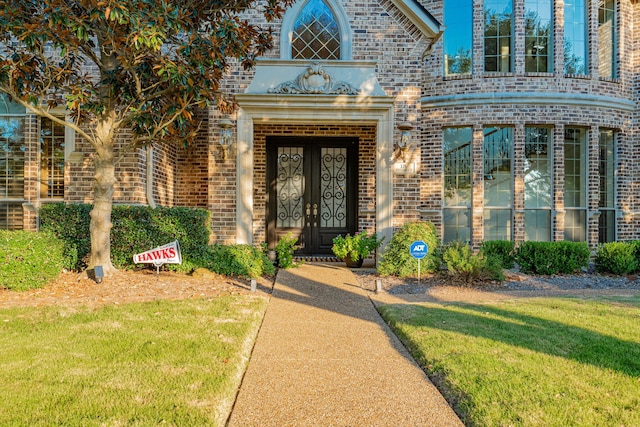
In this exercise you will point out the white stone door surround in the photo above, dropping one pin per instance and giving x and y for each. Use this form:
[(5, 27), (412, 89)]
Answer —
[(302, 92)]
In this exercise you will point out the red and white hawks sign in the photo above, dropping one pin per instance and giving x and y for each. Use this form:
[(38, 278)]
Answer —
[(167, 254)]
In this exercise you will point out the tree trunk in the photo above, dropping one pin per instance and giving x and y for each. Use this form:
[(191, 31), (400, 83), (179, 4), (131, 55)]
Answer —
[(100, 226)]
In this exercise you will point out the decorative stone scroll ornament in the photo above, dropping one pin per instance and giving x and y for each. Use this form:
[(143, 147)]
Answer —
[(315, 80)]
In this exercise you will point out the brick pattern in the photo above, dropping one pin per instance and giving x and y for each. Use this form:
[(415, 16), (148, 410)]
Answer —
[(192, 167), (198, 176), (222, 186)]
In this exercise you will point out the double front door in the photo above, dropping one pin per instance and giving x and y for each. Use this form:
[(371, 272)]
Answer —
[(312, 189)]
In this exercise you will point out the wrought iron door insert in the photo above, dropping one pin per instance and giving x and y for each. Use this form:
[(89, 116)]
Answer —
[(312, 190)]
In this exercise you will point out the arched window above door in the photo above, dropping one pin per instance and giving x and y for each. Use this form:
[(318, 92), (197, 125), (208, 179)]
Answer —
[(316, 29)]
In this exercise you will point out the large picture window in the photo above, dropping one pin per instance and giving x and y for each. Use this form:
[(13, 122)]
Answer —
[(498, 30), (457, 184), (607, 38), (538, 36), (575, 37), (537, 184), (575, 184), (607, 202), (458, 39), (498, 183)]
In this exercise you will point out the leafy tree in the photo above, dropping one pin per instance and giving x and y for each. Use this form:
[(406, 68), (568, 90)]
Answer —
[(137, 66)]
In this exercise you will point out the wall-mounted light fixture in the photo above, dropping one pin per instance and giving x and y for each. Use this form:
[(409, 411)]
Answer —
[(226, 138), (405, 137)]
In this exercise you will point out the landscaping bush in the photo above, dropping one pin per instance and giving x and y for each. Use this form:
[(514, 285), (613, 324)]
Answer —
[(396, 259), (139, 228), (284, 250), (238, 260), (636, 250), (29, 260), (463, 264), (70, 224), (502, 249), (135, 229), (616, 258), (552, 257), (572, 256)]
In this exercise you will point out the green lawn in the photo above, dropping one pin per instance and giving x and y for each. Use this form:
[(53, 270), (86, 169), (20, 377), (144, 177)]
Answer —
[(175, 363), (535, 362)]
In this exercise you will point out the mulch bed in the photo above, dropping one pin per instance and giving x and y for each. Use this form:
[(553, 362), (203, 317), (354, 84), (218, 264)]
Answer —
[(129, 286)]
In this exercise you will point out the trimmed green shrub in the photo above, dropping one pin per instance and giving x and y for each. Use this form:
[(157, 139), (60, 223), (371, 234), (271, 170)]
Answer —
[(396, 259), (552, 257), (572, 256), (636, 250), (616, 258), (139, 228), (135, 229), (284, 250), (29, 260), (462, 263), (69, 223), (503, 249), (238, 260)]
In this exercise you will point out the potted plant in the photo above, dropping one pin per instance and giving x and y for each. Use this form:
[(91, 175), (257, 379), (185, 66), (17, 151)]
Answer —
[(354, 249)]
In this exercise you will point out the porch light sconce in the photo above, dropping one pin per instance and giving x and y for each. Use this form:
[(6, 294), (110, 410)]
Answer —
[(405, 137), (225, 124)]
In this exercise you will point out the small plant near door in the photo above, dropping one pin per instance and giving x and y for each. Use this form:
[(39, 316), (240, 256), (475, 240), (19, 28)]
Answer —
[(284, 250), (354, 249)]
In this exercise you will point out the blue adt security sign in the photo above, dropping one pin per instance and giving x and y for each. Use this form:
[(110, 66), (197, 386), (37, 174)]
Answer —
[(418, 249)]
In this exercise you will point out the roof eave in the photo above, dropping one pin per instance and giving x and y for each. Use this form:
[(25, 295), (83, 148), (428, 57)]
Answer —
[(420, 17)]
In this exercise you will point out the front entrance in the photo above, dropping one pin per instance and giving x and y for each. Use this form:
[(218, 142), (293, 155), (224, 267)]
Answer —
[(312, 185)]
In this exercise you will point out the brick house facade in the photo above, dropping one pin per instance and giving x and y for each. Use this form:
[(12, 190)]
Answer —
[(516, 143)]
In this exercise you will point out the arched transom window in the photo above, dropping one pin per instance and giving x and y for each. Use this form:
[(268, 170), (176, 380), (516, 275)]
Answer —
[(316, 33)]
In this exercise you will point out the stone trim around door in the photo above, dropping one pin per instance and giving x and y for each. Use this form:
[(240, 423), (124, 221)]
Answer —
[(313, 109)]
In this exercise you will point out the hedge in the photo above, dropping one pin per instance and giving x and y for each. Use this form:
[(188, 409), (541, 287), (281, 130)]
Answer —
[(28, 259), (135, 229), (552, 257)]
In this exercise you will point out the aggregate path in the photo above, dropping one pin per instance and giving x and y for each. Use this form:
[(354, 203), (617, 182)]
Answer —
[(324, 357)]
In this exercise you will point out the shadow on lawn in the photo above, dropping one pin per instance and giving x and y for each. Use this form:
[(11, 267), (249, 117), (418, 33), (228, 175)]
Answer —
[(534, 333)]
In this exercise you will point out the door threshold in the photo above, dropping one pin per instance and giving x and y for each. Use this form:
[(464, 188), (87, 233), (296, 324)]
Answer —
[(316, 258)]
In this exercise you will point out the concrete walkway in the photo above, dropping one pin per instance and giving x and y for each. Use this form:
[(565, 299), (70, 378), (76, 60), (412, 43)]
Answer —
[(324, 357)]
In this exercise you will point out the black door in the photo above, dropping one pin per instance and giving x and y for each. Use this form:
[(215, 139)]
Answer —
[(312, 185)]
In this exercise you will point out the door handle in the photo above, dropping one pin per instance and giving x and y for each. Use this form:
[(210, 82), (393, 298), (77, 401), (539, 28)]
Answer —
[(308, 212), (315, 214)]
